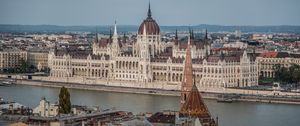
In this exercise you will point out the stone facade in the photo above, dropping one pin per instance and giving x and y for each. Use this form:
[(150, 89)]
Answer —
[(11, 59), (45, 109), (150, 61), (268, 60), (38, 58)]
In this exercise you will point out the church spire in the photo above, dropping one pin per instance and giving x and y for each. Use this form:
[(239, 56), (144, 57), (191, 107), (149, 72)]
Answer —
[(187, 81), (192, 104), (149, 11)]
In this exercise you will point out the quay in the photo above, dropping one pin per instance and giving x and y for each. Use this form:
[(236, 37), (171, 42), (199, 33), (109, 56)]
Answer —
[(239, 94)]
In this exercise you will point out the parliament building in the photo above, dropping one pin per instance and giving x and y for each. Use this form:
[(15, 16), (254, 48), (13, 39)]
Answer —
[(149, 62)]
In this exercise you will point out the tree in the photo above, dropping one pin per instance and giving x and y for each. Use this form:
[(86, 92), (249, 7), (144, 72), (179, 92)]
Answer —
[(295, 73), (24, 66), (64, 101), (287, 75)]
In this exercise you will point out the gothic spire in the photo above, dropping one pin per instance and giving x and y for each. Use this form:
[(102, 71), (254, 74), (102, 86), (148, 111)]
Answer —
[(222, 56), (149, 11), (176, 35), (187, 81), (190, 31), (206, 37), (55, 49), (193, 104), (97, 35), (115, 29), (110, 34), (124, 38), (192, 34)]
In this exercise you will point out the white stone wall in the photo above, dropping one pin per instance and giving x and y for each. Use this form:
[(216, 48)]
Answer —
[(267, 66), (130, 70), (45, 109)]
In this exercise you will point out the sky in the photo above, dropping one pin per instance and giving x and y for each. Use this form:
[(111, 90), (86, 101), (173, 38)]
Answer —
[(165, 12)]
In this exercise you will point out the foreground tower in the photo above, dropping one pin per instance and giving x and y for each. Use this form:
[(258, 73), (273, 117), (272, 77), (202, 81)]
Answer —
[(192, 104), (187, 81)]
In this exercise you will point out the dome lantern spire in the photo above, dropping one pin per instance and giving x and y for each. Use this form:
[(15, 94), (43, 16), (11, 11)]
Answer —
[(150, 24), (149, 11)]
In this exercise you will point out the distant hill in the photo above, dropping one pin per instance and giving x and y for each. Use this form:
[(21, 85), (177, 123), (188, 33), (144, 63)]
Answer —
[(134, 28)]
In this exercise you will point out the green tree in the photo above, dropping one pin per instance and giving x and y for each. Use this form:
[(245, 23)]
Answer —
[(24, 66), (295, 73), (287, 75), (64, 101)]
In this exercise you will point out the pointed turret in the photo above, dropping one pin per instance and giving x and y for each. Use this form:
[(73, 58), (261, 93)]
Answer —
[(176, 34), (115, 35), (115, 42), (55, 49), (124, 38), (206, 37), (254, 53), (115, 30), (110, 35), (192, 104), (190, 32), (192, 35), (222, 56), (97, 39), (176, 37), (206, 53)]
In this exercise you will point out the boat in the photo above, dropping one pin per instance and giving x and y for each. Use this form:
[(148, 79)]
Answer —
[(225, 100), (6, 82), (224, 97)]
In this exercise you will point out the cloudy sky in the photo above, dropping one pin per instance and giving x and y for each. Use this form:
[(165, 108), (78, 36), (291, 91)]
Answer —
[(166, 12)]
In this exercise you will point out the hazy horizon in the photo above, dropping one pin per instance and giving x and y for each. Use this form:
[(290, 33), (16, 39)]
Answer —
[(165, 12), (139, 24)]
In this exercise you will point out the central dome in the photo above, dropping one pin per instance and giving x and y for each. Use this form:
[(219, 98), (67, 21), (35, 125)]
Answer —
[(152, 27)]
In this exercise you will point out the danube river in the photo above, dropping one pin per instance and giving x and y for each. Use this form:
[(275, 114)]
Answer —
[(230, 114)]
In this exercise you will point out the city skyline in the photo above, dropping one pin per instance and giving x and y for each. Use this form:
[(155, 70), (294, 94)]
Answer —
[(132, 12)]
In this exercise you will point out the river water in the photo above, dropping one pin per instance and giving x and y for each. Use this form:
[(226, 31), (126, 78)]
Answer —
[(230, 114)]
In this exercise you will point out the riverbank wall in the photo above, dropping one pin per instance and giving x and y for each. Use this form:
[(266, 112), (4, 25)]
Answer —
[(245, 96)]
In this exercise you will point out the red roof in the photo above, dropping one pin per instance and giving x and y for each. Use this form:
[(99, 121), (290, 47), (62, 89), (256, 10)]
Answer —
[(152, 27), (269, 55), (225, 49)]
